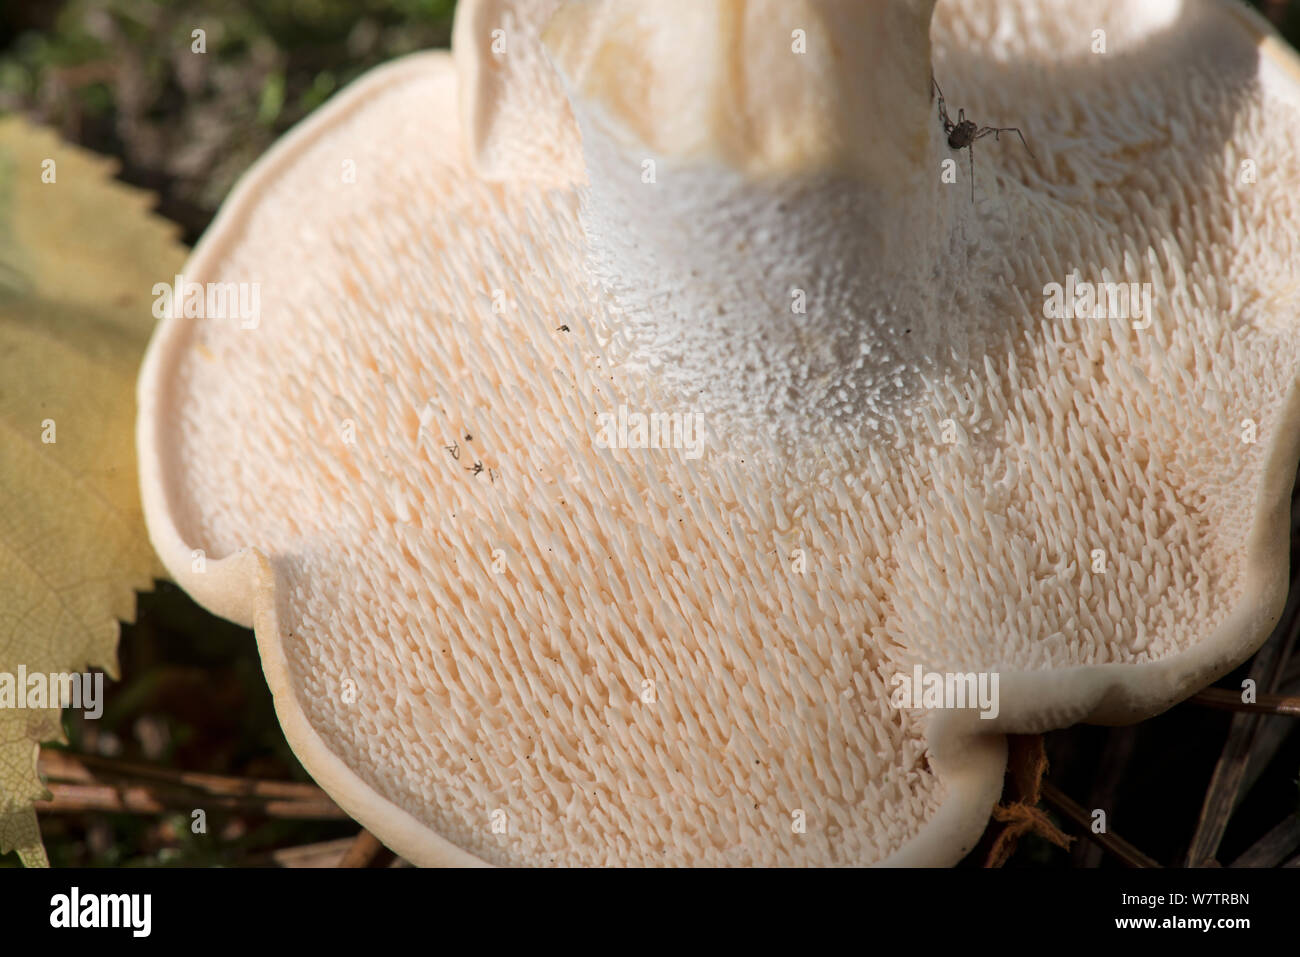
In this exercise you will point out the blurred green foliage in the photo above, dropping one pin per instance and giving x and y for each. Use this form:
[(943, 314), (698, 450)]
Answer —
[(121, 77), (193, 697)]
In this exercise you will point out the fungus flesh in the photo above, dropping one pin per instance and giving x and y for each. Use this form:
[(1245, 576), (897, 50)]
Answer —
[(495, 636)]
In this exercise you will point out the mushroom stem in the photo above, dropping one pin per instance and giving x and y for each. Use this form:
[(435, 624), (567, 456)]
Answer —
[(769, 219)]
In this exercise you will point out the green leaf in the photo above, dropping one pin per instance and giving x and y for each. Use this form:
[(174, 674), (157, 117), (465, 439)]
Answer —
[(78, 260)]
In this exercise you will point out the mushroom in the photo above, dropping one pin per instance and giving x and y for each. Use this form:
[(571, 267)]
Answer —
[(506, 620)]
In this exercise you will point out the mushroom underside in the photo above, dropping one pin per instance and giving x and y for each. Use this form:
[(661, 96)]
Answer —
[(495, 635)]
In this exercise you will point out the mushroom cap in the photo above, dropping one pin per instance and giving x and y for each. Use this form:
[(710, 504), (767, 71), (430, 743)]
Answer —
[(593, 655)]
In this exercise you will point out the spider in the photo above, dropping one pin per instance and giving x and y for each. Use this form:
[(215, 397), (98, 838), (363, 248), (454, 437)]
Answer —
[(964, 133)]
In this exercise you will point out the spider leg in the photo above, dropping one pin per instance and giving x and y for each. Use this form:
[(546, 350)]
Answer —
[(971, 152), (997, 130), (1016, 130), (943, 106)]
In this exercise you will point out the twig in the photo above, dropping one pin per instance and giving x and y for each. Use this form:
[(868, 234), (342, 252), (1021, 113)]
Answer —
[(322, 854), (91, 768), (80, 782), (1225, 699), (366, 851), (1272, 849), (1109, 840), (1225, 785), (1115, 757), (1270, 737), (142, 799)]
